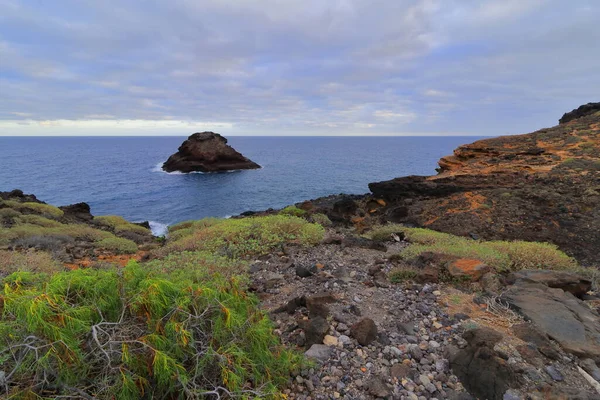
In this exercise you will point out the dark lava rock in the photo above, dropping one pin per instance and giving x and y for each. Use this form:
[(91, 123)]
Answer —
[(538, 187), (364, 243), (554, 373), (79, 212), (317, 304), (207, 152), (569, 282), (480, 369), (315, 331), (591, 368), (531, 334), (378, 387), (559, 315), (581, 111), (304, 272), (364, 331)]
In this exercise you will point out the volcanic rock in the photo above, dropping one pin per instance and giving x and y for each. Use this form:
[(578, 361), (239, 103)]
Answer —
[(207, 152), (541, 187)]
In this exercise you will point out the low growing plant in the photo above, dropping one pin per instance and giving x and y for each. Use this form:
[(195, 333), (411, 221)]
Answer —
[(137, 333), (293, 211), (118, 245)]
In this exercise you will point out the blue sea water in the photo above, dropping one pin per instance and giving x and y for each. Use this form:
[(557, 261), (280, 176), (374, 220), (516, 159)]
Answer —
[(122, 176)]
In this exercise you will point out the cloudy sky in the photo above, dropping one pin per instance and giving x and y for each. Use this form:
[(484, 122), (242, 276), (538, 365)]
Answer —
[(295, 67)]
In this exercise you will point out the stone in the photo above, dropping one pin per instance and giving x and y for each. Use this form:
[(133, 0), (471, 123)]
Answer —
[(317, 304), (554, 373), (558, 315), (591, 368), (531, 334), (364, 331), (207, 152), (330, 340), (319, 352), (573, 283), (399, 371), (304, 272), (378, 388), (483, 373), (466, 268), (316, 330), (344, 340)]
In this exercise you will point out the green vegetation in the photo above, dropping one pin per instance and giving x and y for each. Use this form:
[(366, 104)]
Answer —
[(31, 261), (320, 219), (182, 325), (239, 238), (140, 332), (398, 275), (120, 225), (293, 211), (44, 209), (501, 255), (118, 245)]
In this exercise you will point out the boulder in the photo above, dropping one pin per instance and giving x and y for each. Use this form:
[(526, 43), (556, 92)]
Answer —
[(315, 331), (207, 152), (465, 268), (480, 368), (317, 304), (559, 315), (79, 212), (567, 281), (319, 352), (364, 331)]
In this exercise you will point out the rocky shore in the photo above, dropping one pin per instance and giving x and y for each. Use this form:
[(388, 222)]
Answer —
[(380, 306)]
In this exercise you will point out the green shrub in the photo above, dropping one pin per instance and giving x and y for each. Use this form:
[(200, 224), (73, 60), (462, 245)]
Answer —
[(384, 233), (38, 220), (44, 209), (237, 238), (76, 231), (137, 333), (117, 244), (293, 211), (30, 261), (398, 275), (120, 225), (8, 213), (320, 219), (501, 255)]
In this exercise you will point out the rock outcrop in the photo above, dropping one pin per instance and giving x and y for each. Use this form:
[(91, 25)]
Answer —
[(207, 152), (542, 186)]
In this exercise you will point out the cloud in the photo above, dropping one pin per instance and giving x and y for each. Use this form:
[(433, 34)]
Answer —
[(296, 67)]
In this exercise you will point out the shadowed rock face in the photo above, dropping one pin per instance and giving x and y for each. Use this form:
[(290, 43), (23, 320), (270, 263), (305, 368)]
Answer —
[(207, 152), (542, 186)]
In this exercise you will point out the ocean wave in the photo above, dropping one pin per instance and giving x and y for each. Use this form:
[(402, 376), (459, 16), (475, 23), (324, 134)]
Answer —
[(158, 168), (158, 229)]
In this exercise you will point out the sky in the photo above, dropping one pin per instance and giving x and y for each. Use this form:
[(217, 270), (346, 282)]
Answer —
[(295, 67)]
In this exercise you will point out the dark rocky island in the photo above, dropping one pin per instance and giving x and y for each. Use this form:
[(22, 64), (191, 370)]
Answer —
[(207, 152)]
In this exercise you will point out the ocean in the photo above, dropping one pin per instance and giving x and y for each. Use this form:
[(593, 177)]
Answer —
[(122, 175)]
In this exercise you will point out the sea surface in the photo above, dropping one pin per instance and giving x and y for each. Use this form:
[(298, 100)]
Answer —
[(122, 175)]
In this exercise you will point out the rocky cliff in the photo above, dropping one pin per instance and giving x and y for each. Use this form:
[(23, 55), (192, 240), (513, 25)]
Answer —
[(207, 152), (542, 186)]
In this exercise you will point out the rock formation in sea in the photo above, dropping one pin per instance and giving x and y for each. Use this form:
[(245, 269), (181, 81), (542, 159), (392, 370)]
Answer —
[(207, 152)]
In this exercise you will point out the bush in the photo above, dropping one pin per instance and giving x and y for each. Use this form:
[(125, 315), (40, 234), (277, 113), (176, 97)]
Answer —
[(76, 231), (292, 211), (118, 245), (8, 213), (44, 209), (238, 238), (137, 333), (38, 220), (320, 219), (31, 261), (120, 225), (398, 275), (501, 255), (54, 243), (384, 233)]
